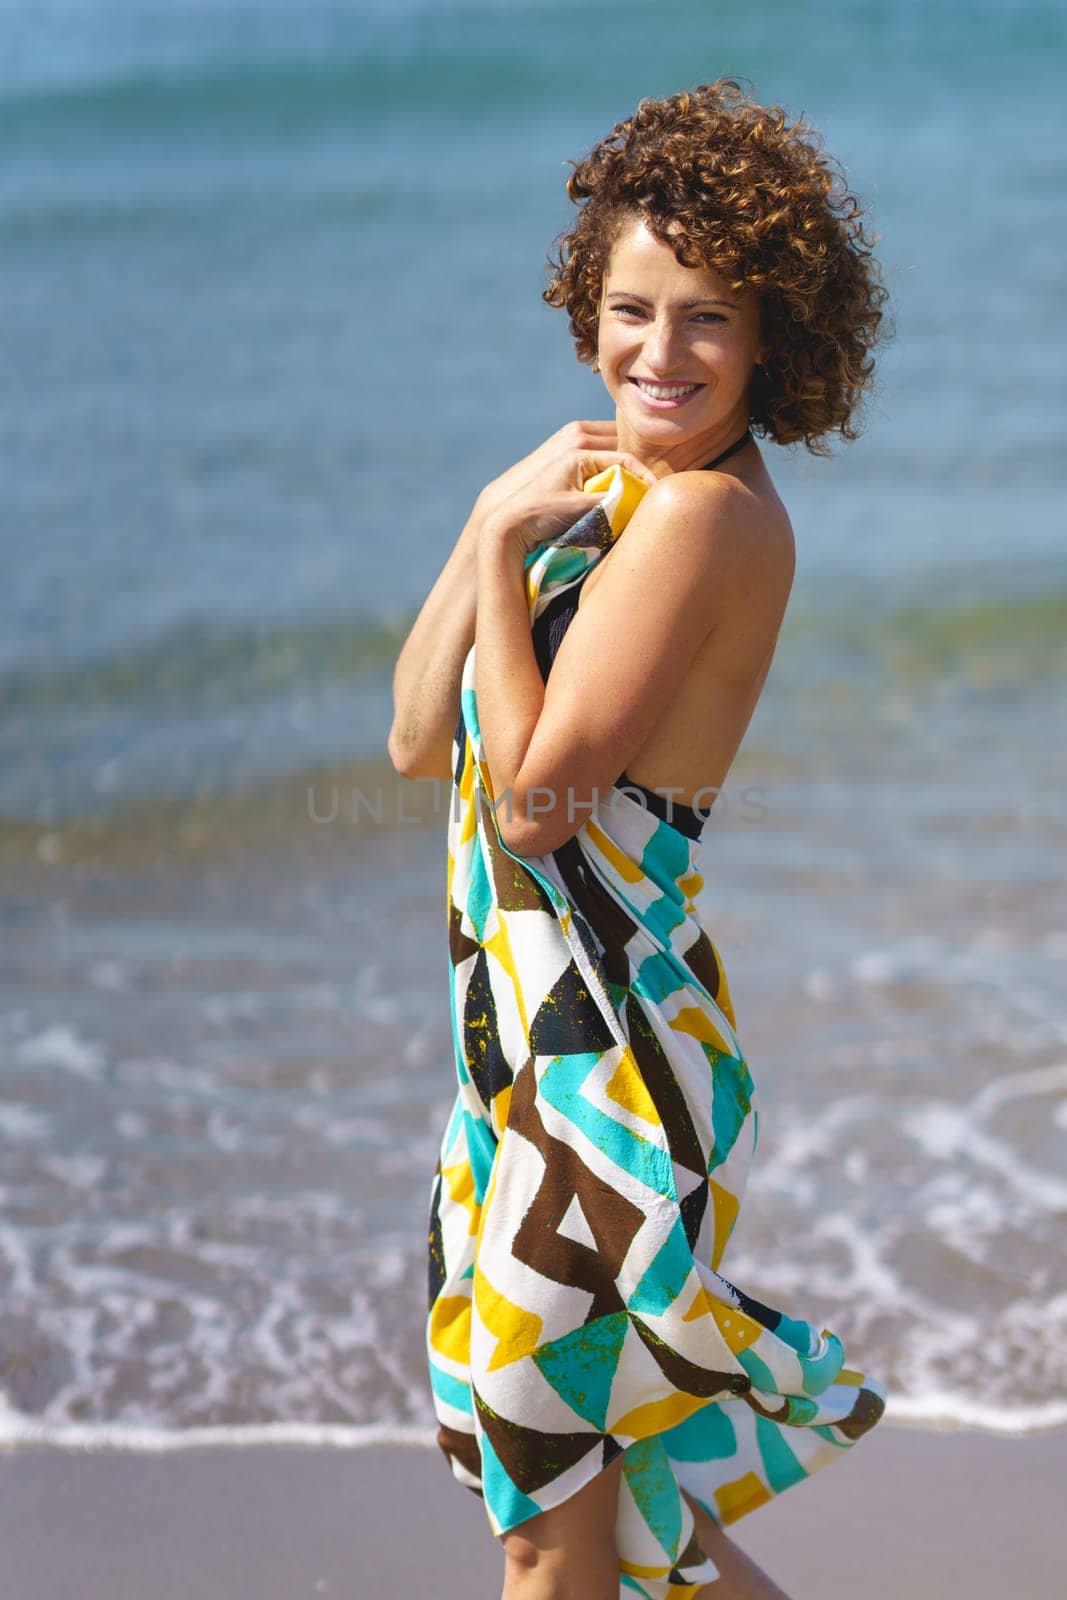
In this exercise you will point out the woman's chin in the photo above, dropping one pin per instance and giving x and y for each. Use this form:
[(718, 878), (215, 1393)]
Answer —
[(664, 429)]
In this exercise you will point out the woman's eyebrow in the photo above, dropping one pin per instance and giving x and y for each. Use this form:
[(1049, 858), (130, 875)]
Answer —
[(683, 305)]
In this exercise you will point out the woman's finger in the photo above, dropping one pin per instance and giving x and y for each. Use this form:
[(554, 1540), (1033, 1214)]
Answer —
[(572, 503), (600, 426), (638, 468), (591, 462)]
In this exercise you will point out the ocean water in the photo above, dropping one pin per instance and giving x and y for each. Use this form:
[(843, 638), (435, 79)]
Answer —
[(270, 311)]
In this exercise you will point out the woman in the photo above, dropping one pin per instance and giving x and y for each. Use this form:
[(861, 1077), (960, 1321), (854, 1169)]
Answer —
[(614, 1399)]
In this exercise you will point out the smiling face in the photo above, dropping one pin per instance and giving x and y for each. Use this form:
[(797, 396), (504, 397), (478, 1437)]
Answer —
[(676, 349)]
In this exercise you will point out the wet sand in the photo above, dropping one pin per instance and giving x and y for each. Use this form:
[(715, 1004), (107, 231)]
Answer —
[(911, 1513)]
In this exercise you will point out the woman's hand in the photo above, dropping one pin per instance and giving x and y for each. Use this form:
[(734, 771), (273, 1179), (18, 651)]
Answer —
[(541, 495)]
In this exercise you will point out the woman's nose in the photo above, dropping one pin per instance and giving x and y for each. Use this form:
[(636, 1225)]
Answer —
[(662, 348)]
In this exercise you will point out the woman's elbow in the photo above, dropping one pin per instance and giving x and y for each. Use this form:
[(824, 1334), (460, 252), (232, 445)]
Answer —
[(409, 761), (519, 838), (523, 841), (535, 835), (402, 757)]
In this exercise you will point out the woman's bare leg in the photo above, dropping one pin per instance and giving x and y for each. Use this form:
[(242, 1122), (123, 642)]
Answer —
[(568, 1553), (739, 1578)]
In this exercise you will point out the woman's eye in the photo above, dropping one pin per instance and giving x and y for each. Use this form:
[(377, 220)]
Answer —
[(701, 316)]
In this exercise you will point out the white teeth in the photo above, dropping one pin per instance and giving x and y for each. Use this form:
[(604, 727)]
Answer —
[(661, 391)]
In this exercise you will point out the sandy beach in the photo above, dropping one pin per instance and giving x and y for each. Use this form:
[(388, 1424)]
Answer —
[(913, 1512)]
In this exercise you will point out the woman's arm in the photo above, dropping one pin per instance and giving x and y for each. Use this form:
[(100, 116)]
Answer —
[(426, 680), (692, 550)]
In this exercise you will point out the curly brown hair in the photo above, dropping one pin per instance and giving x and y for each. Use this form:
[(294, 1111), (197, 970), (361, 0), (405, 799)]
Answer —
[(733, 185)]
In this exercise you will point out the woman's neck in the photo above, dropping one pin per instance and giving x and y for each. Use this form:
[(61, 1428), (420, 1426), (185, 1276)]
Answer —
[(690, 452)]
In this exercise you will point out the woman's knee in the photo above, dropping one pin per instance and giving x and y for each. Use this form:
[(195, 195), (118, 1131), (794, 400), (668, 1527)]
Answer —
[(579, 1568), (569, 1550)]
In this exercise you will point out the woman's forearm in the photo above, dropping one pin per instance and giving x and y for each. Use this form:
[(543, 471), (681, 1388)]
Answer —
[(507, 679), (426, 680)]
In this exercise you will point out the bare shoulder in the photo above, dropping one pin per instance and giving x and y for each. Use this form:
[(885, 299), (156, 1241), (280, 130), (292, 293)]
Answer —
[(732, 534), (728, 505)]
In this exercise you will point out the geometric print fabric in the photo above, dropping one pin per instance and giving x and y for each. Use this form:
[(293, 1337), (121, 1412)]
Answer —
[(590, 1175)]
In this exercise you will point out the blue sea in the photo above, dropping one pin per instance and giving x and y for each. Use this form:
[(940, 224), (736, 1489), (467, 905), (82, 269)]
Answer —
[(270, 317)]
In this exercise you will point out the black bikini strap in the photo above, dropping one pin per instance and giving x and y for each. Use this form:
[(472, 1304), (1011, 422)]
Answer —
[(730, 448)]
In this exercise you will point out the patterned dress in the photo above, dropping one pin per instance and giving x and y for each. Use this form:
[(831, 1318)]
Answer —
[(590, 1175)]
